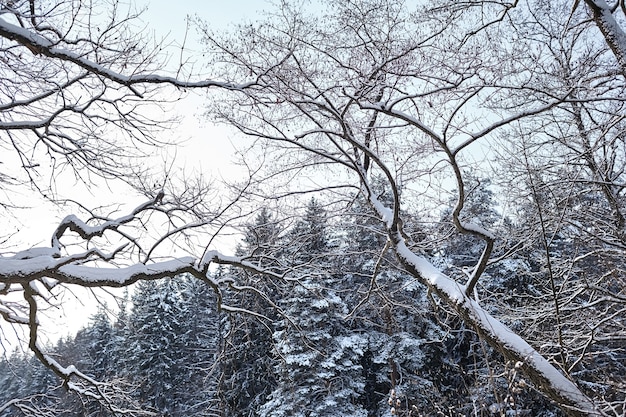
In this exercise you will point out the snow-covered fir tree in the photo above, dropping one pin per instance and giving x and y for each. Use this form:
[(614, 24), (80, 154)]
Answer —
[(157, 362), (246, 364), (200, 342), (319, 360)]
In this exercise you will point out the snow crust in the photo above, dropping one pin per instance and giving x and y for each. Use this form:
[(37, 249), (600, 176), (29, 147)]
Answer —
[(531, 356)]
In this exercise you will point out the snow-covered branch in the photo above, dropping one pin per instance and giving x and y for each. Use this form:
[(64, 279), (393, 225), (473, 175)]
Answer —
[(512, 346), (614, 34), (86, 89), (38, 274), (38, 44)]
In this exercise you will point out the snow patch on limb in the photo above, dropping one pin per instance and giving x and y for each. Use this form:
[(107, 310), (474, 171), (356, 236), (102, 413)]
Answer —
[(67, 371), (22, 267), (56, 270), (10, 316), (93, 277), (64, 270), (540, 371), (530, 357), (36, 252), (218, 258), (214, 256), (614, 35), (17, 270), (474, 228), (385, 213), (432, 275), (12, 31), (85, 231)]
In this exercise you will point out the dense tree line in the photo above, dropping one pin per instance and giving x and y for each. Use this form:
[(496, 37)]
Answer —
[(352, 336)]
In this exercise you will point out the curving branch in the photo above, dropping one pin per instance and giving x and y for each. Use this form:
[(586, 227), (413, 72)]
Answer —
[(39, 44), (511, 345)]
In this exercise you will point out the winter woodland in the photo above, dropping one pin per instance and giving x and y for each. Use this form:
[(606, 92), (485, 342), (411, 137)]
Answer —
[(430, 220)]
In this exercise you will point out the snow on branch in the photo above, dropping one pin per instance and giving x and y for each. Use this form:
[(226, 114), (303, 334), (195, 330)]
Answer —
[(35, 273), (614, 35), (512, 346), (87, 232), (49, 263), (239, 261), (477, 229), (39, 44), (501, 337)]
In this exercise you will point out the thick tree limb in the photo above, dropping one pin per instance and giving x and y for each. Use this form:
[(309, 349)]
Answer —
[(613, 34), (543, 374)]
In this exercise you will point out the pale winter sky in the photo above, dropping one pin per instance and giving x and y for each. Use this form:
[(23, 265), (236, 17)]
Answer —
[(165, 15), (164, 20), (205, 147)]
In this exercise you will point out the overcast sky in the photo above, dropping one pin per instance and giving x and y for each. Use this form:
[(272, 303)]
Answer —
[(165, 17), (205, 147)]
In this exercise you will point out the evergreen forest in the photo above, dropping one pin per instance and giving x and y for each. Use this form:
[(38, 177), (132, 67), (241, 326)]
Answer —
[(354, 335)]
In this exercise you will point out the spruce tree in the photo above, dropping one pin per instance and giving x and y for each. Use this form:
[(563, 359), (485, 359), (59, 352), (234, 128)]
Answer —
[(200, 343), (319, 360), (156, 361), (246, 365)]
